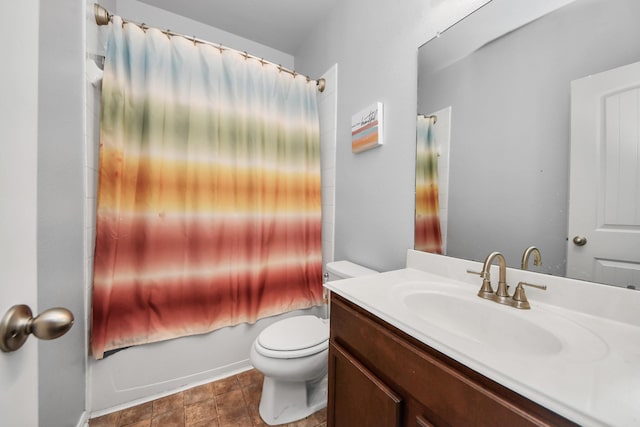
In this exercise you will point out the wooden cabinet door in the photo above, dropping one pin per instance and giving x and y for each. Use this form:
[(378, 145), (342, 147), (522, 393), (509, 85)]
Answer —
[(356, 396), (423, 422), (368, 357)]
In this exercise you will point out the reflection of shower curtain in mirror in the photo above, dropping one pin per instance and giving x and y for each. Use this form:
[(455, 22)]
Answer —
[(427, 222), (209, 209)]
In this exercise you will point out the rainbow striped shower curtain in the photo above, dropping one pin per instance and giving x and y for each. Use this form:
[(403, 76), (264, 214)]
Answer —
[(427, 222), (209, 209)]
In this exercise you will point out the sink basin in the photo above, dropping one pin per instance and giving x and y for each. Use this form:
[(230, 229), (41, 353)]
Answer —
[(484, 323)]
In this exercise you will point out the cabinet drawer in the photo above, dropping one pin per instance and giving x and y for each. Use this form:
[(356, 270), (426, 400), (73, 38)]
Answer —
[(451, 393), (356, 396)]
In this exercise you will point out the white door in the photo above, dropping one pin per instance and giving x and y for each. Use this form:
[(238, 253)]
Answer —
[(18, 172), (604, 206)]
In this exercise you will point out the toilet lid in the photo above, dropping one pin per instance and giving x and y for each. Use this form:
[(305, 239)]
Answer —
[(294, 333)]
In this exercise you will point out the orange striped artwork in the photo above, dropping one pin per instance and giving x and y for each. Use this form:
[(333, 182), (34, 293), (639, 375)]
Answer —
[(367, 129), (209, 204)]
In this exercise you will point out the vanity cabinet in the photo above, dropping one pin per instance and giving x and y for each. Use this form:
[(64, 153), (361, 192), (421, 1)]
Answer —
[(380, 376)]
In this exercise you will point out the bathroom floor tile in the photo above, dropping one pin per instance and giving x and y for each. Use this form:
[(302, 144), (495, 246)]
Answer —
[(143, 423), (250, 377), (168, 404), (252, 394), (175, 418), (230, 402), (313, 420), (109, 420), (226, 385), (231, 407), (210, 423), (136, 414), (197, 394), (243, 421), (205, 410)]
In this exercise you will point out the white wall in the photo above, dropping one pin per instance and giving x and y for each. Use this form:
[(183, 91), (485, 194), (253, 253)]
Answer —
[(375, 45), (327, 101), (143, 13), (60, 207)]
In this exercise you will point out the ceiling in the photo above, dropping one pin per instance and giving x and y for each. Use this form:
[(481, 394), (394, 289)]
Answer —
[(279, 24)]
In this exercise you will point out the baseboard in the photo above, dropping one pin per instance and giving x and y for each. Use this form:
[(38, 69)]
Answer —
[(83, 421), (239, 367)]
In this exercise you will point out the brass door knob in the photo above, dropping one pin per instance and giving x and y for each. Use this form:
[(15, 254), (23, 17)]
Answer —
[(580, 241), (18, 323)]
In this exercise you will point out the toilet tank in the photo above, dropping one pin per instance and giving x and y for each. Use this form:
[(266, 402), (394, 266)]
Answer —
[(337, 270)]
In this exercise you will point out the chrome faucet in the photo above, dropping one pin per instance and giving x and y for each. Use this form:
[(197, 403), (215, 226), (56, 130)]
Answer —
[(537, 257)]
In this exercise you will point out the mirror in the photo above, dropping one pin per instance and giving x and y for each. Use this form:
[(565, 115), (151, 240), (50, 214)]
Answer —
[(503, 82)]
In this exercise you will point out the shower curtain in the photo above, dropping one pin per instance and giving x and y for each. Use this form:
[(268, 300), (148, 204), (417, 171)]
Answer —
[(427, 222), (209, 210)]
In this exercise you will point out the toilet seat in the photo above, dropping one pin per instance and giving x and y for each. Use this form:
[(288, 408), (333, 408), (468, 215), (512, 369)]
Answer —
[(294, 337)]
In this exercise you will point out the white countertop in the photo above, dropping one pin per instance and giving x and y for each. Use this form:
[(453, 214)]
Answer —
[(592, 379)]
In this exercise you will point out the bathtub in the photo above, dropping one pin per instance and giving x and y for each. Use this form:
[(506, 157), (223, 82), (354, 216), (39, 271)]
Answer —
[(146, 372)]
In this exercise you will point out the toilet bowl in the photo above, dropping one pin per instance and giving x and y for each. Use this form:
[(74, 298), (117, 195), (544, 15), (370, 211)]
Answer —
[(293, 356)]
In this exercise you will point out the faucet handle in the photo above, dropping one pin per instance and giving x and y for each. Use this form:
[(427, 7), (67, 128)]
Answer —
[(486, 291), (478, 273), (543, 287), (520, 298)]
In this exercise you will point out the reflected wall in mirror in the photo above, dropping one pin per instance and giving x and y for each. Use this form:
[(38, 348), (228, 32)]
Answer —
[(511, 131)]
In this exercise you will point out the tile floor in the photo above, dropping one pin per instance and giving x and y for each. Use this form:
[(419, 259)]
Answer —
[(228, 402)]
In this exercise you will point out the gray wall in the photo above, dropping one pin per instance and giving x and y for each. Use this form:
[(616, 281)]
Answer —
[(374, 44), (510, 136), (60, 207), (137, 11)]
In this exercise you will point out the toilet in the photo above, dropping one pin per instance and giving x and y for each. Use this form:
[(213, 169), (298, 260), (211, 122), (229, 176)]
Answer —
[(293, 356)]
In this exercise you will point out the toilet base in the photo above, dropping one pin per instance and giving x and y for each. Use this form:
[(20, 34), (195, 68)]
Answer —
[(287, 401)]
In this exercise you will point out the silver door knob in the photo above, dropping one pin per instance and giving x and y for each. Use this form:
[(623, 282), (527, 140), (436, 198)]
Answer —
[(580, 241), (18, 323)]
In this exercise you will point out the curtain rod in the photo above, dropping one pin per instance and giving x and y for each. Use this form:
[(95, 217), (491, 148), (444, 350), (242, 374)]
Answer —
[(432, 116), (103, 17)]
